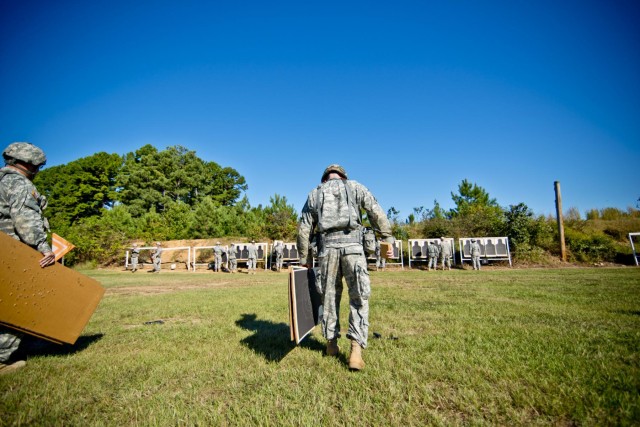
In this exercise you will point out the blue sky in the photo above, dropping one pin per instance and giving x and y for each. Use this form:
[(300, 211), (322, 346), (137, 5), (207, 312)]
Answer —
[(411, 97)]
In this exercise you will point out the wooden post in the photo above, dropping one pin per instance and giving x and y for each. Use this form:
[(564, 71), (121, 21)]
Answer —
[(563, 248)]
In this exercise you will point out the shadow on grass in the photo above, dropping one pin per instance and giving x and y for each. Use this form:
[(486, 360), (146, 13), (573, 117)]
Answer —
[(32, 346), (272, 340)]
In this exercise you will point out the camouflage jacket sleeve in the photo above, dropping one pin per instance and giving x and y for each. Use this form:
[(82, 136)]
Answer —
[(375, 214), (306, 227), (28, 221)]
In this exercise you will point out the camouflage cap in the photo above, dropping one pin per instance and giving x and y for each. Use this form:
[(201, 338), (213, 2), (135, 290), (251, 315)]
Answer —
[(25, 152), (334, 168)]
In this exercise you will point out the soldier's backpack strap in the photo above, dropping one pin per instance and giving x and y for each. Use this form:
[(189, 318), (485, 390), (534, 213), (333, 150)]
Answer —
[(352, 200)]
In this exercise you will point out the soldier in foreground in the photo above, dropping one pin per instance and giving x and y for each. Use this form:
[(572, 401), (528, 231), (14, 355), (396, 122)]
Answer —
[(21, 218), (332, 210)]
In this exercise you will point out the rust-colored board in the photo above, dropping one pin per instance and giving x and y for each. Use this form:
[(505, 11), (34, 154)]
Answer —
[(54, 303)]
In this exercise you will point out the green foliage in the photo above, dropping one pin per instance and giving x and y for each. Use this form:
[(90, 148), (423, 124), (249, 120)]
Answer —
[(152, 178), (471, 198), (281, 219), (79, 189), (589, 248)]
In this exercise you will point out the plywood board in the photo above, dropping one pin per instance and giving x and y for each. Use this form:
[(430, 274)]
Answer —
[(304, 302), (54, 303)]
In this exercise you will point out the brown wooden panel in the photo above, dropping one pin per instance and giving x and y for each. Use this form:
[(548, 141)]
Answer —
[(54, 303)]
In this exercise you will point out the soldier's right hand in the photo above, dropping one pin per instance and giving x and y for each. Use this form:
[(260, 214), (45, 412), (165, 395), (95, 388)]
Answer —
[(48, 259)]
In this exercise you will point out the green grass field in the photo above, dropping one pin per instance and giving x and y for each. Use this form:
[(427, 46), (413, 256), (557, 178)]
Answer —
[(498, 347)]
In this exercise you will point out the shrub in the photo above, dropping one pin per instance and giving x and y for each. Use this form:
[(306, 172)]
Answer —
[(589, 248)]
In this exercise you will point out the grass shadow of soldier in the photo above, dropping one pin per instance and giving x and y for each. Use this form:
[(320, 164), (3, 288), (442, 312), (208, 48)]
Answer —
[(34, 346), (272, 340)]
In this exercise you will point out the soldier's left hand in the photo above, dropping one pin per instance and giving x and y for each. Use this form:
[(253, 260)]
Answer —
[(48, 259)]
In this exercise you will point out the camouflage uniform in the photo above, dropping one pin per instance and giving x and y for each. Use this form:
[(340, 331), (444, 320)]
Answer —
[(445, 253), (253, 256), (279, 250), (217, 257), (157, 259), (135, 253), (475, 250), (381, 262), (233, 262), (330, 212), (21, 217), (433, 252)]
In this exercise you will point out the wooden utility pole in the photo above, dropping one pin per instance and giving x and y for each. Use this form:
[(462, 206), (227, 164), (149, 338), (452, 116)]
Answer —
[(563, 248)]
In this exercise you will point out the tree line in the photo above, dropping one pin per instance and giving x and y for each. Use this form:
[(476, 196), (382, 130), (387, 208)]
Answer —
[(104, 201)]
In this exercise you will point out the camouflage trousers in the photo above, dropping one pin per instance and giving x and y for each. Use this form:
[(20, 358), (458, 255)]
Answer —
[(233, 264), (476, 262), (134, 263), (251, 264), (9, 343), (157, 264), (217, 262), (334, 264), (446, 261), (433, 262)]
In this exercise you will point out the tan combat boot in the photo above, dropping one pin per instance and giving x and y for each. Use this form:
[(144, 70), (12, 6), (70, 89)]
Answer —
[(332, 347), (355, 360), (11, 367)]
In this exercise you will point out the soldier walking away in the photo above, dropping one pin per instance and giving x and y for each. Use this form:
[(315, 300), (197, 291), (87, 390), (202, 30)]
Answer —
[(433, 252), (135, 253), (217, 257), (253, 257), (21, 217), (332, 210), (475, 254), (445, 253), (233, 261), (156, 257)]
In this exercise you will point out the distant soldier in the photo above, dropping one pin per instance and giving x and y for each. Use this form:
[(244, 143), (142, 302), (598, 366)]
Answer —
[(253, 257), (156, 257), (445, 253), (381, 261), (433, 252), (135, 253), (475, 251), (21, 217), (279, 250), (231, 256), (217, 257)]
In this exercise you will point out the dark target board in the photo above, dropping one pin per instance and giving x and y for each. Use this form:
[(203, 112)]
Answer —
[(305, 303)]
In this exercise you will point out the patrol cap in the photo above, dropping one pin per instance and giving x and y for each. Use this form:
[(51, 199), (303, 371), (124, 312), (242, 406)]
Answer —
[(334, 168), (25, 152)]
